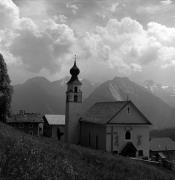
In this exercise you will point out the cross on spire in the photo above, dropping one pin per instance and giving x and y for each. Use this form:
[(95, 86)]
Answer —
[(75, 59)]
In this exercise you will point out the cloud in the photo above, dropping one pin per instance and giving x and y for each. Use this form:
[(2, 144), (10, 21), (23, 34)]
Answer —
[(42, 49), (127, 47), (120, 44), (44, 41), (166, 2), (37, 47), (73, 7), (9, 14)]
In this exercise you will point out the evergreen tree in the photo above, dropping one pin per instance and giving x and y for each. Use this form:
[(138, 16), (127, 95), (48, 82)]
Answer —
[(5, 91)]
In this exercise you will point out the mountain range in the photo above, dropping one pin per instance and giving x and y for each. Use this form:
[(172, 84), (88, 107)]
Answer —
[(40, 95), (121, 88), (165, 92)]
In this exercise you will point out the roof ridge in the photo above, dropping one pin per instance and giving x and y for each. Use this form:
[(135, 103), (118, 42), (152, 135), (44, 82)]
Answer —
[(111, 102)]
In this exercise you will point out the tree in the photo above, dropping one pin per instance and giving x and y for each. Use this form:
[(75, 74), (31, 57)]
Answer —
[(5, 91)]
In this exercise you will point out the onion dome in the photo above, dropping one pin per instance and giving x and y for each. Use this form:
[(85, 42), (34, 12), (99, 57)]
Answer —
[(74, 71)]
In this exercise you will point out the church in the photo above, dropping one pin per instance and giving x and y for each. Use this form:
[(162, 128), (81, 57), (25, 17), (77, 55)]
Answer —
[(118, 127)]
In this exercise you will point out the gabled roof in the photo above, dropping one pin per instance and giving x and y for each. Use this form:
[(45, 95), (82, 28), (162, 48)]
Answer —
[(27, 118), (162, 144), (105, 112), (54, 119), (101, 112)]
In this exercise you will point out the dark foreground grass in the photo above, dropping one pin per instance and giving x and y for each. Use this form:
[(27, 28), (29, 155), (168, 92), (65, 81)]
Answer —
[(31, 158)]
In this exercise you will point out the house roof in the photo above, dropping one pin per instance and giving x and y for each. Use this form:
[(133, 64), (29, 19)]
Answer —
[(26, 118), (162, 144), (105, 112), (54, 119)]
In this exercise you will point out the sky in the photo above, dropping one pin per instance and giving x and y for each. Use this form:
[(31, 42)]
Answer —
[(133, 38)]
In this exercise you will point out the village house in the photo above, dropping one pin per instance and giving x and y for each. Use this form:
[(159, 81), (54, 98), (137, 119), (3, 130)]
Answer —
[(54, 126), (118, 127), (162, 148), (31, 123)]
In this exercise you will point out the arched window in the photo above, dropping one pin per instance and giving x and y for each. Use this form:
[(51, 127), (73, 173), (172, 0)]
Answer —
[(75, 89), (128, 135), (75, 98)]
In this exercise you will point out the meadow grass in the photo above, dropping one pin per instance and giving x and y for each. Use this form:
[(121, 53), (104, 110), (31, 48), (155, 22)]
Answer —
[(25, 157)]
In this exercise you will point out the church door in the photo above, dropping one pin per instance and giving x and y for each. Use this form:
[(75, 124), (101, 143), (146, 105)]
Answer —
[(129, 150)]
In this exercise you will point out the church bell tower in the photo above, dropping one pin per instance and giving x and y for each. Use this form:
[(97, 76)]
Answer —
[(73, 105)]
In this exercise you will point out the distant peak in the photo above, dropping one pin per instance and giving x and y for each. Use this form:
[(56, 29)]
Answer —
[(117, 78), (37, 79)]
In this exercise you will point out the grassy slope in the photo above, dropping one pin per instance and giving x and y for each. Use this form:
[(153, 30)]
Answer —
[(26, 157)]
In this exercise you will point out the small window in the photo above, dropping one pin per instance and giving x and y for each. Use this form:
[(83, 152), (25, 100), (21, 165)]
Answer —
[(75, 89), (31, 133), (128, 135), (75, 98), (140, 152)]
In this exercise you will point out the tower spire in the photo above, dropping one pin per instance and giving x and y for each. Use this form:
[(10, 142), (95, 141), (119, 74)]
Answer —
[(75, 59), (74, 71)]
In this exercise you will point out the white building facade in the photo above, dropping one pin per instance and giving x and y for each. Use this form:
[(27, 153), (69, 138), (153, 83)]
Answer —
[(117, 127)]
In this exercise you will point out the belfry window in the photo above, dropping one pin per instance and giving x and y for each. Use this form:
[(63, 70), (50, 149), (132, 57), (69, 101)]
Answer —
[(75, 89), (128, 135), (75, 98)]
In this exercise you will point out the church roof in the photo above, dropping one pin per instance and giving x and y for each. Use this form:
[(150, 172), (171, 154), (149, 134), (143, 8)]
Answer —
[(107, 112), (27, 118), (54, 119), (162, 144)]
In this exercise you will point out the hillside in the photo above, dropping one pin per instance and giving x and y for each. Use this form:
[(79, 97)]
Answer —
[(27, 158), (155, 109), (40, 95)]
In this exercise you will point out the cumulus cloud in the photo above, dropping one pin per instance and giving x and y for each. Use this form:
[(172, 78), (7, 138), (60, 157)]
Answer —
[(43, 48), (166, 2), (123, 44), (127, 46), (9, 14), (37, 47), (44, 42)]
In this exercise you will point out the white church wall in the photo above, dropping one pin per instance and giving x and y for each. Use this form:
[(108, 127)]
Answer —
[(115, 137)]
